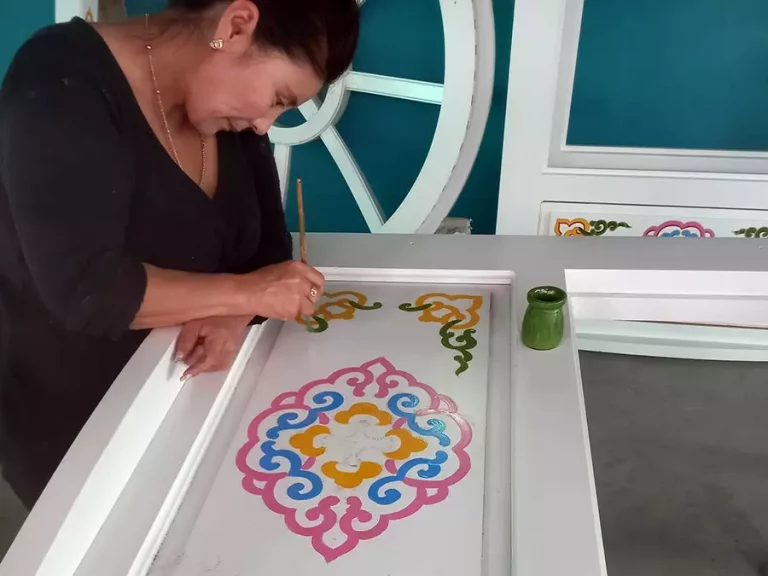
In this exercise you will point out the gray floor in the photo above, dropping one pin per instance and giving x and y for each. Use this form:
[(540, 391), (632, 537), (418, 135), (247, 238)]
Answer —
[(680, 450), (681, 464)]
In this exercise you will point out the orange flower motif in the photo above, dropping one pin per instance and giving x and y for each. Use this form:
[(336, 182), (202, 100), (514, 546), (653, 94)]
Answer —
[(305, 441), (445, 308), (365, 471), (565, 227), (364, 408), (409, 444)]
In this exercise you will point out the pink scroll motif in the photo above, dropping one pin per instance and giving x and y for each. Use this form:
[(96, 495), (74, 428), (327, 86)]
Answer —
[(679, 229), (413, 449)]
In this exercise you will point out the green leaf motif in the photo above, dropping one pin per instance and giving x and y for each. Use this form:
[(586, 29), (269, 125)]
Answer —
[(600, 227), (322, 325), (374, 306), (411, 308), (463, 343), (752, 232)]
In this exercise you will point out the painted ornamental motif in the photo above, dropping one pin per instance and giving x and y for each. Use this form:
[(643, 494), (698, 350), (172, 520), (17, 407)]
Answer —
[(337, 306), (582, 227), (458, 314), (679, 229), (342, 458)]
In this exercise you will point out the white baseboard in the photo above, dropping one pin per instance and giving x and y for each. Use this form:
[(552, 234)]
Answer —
[(673, 340)]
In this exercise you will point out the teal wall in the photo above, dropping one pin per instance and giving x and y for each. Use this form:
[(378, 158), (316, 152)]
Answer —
[(19, 19), (672, 73)]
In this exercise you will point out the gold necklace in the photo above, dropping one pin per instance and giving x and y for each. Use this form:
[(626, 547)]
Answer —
[(162, 112)]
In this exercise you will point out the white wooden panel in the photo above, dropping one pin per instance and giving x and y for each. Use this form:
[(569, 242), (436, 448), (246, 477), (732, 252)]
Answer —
[(243, 522), (538, 166), (403, 88)]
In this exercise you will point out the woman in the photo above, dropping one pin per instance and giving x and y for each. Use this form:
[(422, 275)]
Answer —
[(138, 190)]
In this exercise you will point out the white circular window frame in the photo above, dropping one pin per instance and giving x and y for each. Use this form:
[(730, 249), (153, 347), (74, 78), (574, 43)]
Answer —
[(464, 99)]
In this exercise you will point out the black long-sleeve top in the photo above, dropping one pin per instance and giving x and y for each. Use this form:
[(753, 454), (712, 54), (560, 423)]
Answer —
[(88, 193)]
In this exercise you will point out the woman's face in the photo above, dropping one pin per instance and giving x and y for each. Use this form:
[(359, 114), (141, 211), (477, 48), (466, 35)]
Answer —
[(242, 86)]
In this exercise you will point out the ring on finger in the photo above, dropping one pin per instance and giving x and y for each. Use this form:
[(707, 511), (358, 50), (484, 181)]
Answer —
[(313, 293)]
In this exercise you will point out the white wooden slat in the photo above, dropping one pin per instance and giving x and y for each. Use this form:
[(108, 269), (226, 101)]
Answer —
[(403, 88), (355, 179), (170, 507), (319, 115), (117, 462), (665, 340)]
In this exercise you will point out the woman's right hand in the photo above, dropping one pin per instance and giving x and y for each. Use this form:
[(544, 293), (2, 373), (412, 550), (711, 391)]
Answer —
[(282, 291)]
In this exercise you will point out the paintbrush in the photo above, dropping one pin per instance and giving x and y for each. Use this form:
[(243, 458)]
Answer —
[(302, 227), (302, 234)]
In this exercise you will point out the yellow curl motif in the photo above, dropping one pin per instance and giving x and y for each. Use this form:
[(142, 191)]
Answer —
[(365, 471), (409, 444), (304, 442), (364, 409)]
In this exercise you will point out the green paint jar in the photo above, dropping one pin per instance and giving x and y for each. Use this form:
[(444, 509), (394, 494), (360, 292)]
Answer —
[(543, 321)]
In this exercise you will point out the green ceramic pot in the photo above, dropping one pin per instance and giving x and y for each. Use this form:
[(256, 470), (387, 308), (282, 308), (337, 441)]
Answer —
[(543, 322)]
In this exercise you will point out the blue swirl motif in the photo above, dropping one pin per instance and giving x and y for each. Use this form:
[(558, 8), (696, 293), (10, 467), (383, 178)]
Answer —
[(406, 400), (681, 233), (433, 466), (310, 485), (325, 401)]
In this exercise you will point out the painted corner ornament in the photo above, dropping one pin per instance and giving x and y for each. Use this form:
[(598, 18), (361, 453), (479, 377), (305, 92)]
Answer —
[(337, 306), (679, 229), (343, 457), (582, 227), (458, 314)]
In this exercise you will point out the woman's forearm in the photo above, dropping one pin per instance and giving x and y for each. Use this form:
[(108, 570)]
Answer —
[(173, 298)]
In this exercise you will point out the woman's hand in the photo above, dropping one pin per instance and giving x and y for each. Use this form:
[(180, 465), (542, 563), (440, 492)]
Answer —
[(211, 344), (283, 291)]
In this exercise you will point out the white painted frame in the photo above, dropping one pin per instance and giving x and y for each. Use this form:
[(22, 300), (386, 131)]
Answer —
[(65, 10), (465, 102), (538, 166), (551, 494)]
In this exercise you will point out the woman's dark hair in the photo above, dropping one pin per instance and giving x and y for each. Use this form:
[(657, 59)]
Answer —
[(322, 33)]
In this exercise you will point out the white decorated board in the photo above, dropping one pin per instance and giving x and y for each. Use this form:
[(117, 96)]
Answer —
[(361, 449)]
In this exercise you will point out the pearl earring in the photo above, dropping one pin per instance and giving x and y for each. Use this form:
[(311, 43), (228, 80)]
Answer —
[(217, 44)]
